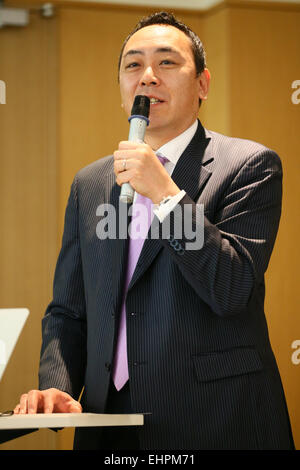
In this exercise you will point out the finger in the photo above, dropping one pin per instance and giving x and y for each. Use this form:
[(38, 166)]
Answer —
[(125, 154), (17, 409), (125, 176), (74, 407), (127, 145), (123, 165), (64, 403), (23, 404), (33, 401), (48, 401), (120, 165)]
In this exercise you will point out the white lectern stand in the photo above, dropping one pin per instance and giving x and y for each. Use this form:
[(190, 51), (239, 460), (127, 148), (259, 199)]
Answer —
[(15, 426), (11, 427), (68, 420)]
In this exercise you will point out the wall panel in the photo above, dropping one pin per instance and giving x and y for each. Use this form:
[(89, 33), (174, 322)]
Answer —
[(28, 200), (264, 62)]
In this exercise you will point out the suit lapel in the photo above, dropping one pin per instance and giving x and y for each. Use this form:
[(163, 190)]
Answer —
[(189, 174), (119, 246)]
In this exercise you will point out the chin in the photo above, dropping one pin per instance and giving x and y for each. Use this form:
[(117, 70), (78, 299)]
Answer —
[(156, 123)]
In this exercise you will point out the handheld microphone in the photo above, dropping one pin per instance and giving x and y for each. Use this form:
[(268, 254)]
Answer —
[(138, 123)]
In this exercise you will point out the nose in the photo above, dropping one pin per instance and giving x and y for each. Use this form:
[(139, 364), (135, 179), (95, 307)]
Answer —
[(149, 78)]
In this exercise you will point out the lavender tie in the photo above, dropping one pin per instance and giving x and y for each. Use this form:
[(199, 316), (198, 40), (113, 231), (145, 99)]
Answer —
[(142, 209)]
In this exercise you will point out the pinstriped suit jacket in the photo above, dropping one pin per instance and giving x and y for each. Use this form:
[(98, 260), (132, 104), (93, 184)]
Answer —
[(199, 355)]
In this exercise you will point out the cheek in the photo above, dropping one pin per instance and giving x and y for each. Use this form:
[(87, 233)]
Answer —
[(187, 84), (126, 100), (128, 91), (187, 93), (183, 85)]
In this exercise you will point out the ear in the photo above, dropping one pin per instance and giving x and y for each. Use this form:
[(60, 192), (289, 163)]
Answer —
[(204, 80)]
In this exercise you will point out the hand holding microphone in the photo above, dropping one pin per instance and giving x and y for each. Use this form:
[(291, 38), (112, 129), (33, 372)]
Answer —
[(138, 123), (136, 165)]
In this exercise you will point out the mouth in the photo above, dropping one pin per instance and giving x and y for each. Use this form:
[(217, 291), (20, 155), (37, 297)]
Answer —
[(154, 100)]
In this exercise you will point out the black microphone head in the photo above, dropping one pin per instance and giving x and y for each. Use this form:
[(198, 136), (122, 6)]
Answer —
[(141, 106)]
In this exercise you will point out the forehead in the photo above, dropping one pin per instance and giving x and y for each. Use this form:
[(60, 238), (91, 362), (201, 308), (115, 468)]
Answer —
[(154, 36)]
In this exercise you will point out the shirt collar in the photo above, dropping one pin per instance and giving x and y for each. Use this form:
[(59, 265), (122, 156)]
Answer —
[(173, 149)]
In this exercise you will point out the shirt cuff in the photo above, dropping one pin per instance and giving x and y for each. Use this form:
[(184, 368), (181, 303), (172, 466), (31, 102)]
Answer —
[(162, 211)]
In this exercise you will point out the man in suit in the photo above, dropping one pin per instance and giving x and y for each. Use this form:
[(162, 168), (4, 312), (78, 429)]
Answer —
[(197, 355)]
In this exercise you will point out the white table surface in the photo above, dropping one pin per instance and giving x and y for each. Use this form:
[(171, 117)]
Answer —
[(66, 420)]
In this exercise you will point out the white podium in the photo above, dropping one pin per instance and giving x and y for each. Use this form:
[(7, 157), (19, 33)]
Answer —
[(68, 420), (12, 427)]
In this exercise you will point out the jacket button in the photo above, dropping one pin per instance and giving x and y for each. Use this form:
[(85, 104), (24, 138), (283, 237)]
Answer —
[(107, 366), (178, 247)]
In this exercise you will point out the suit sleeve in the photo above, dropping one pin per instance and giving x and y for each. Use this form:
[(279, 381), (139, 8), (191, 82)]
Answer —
[(239, 239), (63, 353)]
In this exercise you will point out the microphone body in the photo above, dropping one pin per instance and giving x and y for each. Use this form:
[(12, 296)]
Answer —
[(138, 124)]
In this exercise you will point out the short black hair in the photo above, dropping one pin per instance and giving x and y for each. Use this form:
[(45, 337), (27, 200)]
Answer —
[(165, 18)]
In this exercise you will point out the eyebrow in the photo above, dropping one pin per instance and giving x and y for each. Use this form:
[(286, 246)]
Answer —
[(158, 50)]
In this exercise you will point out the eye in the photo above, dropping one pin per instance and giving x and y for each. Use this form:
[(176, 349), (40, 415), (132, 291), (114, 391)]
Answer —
[(167, 62), (131, 65)]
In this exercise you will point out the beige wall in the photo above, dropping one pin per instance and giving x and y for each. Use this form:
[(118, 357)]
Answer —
[(265, 60), (252, 55), (28, 208)]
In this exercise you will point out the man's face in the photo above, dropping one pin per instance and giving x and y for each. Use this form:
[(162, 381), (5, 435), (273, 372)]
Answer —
[(158, 62)]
